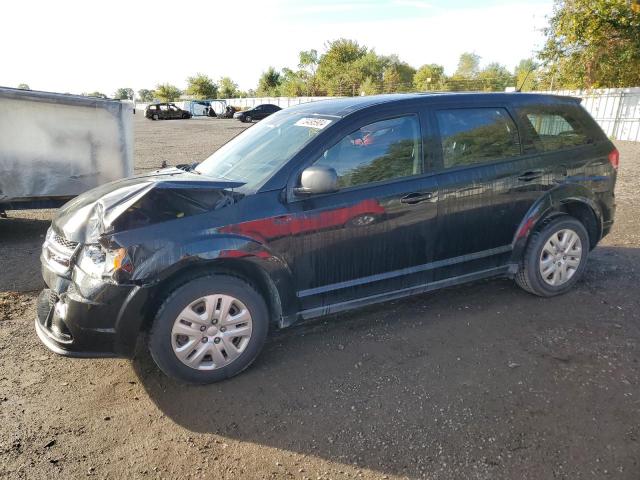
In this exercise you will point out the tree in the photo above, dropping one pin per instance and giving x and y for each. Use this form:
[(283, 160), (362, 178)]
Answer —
[(369, 87), (145, 95), (167, 92), (292, 83), (397, 76), (429, 77), (227, 88), (124, 94), (494, 78), (201, 87), (466, 75), (23, 86), (468, 65), (95, 94), (592, 43), (308, 63), (269, 83), (343, 67), (526, 77)]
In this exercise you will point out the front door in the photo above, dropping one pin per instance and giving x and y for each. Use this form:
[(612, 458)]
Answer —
[(376, 234)]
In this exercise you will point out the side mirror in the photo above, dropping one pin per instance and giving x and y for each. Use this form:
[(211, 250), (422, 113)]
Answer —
[(316, 180)]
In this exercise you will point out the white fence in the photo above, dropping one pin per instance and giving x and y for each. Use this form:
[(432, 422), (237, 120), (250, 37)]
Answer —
[(617, 110), (282, 102)]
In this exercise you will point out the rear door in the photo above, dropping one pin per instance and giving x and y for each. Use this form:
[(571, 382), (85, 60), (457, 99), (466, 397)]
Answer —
[(376, 234), (486, 187)]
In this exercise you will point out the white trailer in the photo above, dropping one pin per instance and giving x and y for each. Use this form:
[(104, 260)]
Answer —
[(55, 146)]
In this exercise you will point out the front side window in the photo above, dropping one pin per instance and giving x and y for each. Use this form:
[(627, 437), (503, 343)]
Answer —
[(476, 135), (376, 152), (553, 130)]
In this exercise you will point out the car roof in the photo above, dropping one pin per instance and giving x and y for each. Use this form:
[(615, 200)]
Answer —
[(342, 106)]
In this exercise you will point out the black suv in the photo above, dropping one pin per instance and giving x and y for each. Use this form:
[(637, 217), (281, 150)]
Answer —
[(321, 208), (165, 111), (257, 113)]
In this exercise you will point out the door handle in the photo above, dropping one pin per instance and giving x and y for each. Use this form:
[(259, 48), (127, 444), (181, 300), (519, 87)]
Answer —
[(417, 197), (528, 176)]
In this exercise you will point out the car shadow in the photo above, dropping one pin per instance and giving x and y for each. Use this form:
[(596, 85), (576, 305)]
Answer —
[(465, 376)]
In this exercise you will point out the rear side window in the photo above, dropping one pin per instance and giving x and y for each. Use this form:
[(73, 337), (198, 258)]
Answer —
[(377, 152), (553, 129), (476, 135)]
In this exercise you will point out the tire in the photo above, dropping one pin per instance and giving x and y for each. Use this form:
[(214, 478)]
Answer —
[(164, 342), (248, 119), (155, 116), (185, 116), (537, 258)]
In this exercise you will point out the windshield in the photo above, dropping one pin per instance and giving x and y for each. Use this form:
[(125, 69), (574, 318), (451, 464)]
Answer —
[(258, 152)]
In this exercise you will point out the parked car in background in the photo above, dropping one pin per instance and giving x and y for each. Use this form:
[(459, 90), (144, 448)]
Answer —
[(257, 113), (165, 111), (325, 207)]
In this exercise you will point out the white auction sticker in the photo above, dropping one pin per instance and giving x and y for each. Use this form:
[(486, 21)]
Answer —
[(318, 123)]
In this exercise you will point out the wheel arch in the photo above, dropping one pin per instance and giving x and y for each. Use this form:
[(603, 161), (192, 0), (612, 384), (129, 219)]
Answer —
[(138, 312), (574, 200)]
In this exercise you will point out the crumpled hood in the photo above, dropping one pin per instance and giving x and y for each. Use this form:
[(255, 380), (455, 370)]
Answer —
[(95, 212)]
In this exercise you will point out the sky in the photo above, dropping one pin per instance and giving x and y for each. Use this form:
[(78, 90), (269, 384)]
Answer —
[(98, 45)]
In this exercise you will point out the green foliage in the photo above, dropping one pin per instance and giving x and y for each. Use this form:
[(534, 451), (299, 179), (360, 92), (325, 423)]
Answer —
[(95, 94), (166, 92), (24, 86), (201, 87), (429, 77), (526, 75), (369, 87), (592, 43), (227, 88), (494, 78), (269, 83), (124, 94), (468, 65), (145, 95), (343, 67), (293, 84)]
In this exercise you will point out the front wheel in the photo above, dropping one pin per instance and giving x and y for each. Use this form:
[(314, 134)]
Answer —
[(555, 258), (155, 116), (248, 119), (209, 329)]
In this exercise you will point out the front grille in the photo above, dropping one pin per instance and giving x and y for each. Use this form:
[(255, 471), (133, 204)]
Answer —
[(58, 251), (63, 242)]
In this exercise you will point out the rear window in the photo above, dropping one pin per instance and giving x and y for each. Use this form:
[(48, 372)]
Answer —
[(552, 129), (476, 135)]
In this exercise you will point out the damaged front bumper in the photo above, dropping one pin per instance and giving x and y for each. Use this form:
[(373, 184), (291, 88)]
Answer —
[(79, 316)]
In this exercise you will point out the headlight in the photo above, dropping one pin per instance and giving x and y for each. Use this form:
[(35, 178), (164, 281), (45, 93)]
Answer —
[(100, 262)]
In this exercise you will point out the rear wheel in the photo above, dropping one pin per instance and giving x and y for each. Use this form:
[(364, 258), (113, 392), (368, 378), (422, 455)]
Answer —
[(209, 329), (155, 116), (555, 258)]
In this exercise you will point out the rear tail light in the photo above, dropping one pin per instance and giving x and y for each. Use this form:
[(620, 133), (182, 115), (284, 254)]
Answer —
[(614, 158)]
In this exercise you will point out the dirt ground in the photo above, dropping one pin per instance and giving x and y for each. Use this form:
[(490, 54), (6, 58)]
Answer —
[(482, 381)]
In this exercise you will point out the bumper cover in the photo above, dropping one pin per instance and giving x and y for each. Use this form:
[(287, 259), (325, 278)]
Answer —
[(89, 318)]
